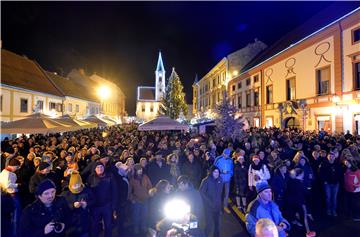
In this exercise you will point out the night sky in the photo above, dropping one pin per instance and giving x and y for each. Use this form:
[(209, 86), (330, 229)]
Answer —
[(121, 40)]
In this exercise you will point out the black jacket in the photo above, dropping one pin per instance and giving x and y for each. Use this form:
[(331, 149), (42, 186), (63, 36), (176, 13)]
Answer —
[(36, 216), (211, 192), (330, 173), (104, 189), (80, 217)]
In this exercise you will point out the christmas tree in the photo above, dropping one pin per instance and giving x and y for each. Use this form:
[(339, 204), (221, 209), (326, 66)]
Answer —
[(173, 102), (229, 124)]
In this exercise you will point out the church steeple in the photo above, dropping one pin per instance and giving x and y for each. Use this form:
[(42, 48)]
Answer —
[(159, 79), (160, 65)]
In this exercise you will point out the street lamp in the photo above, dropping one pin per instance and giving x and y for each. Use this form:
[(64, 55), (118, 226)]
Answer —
[(103, 93)]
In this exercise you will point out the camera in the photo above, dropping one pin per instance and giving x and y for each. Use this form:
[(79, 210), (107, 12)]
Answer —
[(57, 227)]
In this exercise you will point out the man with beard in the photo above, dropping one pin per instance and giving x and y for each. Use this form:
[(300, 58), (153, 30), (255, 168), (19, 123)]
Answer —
[(47, 216)]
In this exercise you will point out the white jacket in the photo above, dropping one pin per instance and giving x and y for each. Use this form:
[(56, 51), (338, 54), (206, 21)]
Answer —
[(263, 173), (8, 181)]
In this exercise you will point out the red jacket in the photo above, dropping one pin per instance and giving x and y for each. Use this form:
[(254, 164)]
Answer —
[(352, 181)]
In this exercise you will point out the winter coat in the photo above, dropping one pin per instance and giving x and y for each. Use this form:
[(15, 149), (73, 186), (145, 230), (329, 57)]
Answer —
[(226, 167), (295, 193), (308, 172), (278, 185), (257, 210), (156, 173), (211, 192), (140, 189), (80, 217), (104, 189), (240, 178), (330, 173), (193, 170), (352, 181), (36, 216)]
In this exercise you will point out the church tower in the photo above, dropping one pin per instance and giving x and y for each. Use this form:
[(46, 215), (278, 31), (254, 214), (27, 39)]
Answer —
[(159, 79)]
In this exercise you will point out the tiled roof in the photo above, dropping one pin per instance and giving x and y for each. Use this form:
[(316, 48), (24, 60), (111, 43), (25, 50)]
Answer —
[(315, 23), (24, 73), (146, 93), (73, 89)]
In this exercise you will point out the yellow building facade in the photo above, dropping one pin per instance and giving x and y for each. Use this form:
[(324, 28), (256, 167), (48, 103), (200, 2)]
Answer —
[(312, 84)]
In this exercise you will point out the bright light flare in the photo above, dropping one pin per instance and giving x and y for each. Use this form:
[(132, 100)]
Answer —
[(176, 209), (103, 92)]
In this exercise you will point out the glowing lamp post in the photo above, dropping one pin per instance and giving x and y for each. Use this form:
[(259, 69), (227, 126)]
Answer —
[(103, 93)]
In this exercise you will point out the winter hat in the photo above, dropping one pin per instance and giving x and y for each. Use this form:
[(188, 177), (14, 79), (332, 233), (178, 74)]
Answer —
[(43, 165), (44, 185), (14, 162), (261, 186), (97, 163), (227, 151), (75, 185)]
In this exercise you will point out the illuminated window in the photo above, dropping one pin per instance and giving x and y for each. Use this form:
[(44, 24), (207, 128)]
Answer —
[(269, 94), (77, 108), (290, 89), (70, 107)]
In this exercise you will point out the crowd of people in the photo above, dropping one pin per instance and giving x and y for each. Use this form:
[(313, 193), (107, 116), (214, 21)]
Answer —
[(116, 179)]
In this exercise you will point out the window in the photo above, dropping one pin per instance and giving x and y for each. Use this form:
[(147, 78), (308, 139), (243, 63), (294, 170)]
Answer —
[(1, 102), (214, 99), (77, 108), (239, 85), (323, 81), (269, 94), (214, 82), (239, 101), (256, 97), (142, 108), (233, 88), (256, 78), (218, 97), (290, 89), (23, 105), (52, 106), (59, 107), (248, 81), (70, 107), (356, 36), (40, 105), (248, 99), (151, 108), (357, 76)]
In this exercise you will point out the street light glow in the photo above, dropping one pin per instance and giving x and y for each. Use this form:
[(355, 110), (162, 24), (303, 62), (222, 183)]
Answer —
[(104, 92)]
